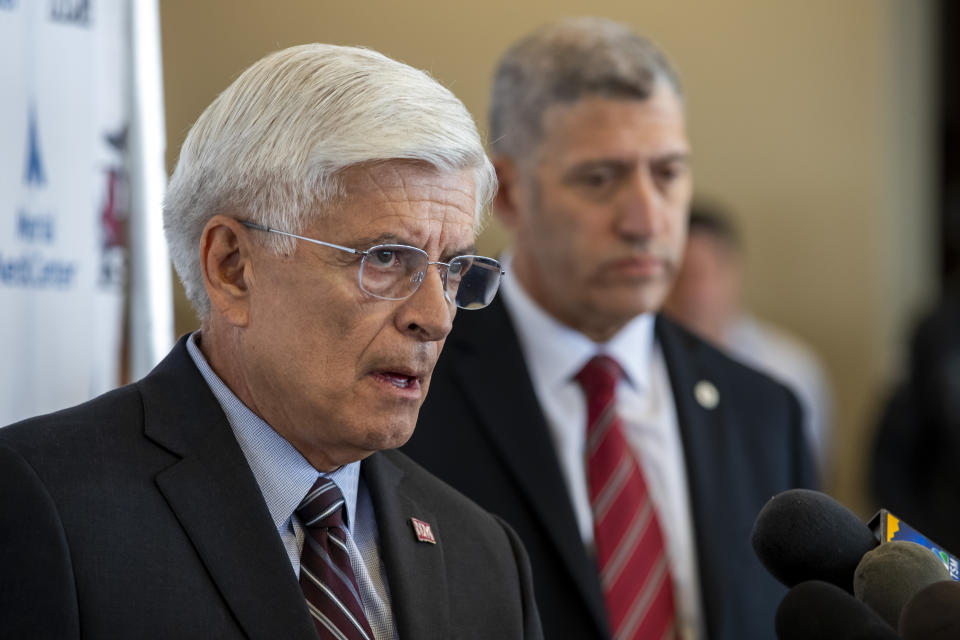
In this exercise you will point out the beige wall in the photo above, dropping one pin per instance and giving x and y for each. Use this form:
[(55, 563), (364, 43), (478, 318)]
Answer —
[(807, 118)]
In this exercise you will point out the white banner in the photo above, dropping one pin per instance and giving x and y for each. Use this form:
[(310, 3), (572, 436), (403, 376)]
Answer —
[(64, 200)]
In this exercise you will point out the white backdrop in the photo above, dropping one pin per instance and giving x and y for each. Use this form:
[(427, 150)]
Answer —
[(65, 115)]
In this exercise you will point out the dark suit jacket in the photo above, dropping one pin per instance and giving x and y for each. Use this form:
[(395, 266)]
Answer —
[(483, 431), (136, 515)]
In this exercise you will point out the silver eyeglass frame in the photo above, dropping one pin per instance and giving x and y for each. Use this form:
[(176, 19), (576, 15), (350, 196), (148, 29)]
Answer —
[(368, 252)]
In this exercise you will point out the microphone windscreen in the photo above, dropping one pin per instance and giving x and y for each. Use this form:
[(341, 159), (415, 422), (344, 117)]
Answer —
[(933, 613), (818, 609), (888, 576), (802, 535)]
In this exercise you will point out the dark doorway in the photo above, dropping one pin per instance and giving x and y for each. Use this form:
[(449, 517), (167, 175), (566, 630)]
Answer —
[(949, 142)]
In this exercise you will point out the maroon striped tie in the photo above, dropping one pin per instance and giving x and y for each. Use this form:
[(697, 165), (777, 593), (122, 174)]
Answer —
[(631, 555), (326, 576)]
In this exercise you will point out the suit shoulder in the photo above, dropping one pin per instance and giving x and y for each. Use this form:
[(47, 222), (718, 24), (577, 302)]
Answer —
[(69, 429), (709, 359)]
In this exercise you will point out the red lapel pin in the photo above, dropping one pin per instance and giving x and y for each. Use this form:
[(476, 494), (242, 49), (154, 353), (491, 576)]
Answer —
[(423, 531)]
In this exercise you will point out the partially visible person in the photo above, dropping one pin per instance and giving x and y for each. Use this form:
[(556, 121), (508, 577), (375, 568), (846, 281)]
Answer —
[(631, 456), (707, 298), (913, 467), (322, 218)]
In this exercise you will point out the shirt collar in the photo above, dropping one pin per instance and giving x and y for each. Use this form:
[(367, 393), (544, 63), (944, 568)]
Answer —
[(555, 353), (282, 473)]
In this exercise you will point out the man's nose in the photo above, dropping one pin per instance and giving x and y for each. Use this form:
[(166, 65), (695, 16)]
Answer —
[(640, 214), (427, 313)]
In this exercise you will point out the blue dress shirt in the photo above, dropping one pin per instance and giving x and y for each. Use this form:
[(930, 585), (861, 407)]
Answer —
[(284, 477)]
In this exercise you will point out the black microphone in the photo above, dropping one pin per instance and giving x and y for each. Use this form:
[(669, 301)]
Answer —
[(817, 609), (933, 613), (888, 576), (802, 535)]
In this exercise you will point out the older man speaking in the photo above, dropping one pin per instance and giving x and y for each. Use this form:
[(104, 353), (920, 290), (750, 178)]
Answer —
[(322, 218)]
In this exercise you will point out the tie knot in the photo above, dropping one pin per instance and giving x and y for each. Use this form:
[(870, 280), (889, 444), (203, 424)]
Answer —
[(599, 376), (322, 506)]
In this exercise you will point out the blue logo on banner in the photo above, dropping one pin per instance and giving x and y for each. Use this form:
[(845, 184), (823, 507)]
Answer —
[(34, 174), (33, 266), (70, 11), (8, 5)]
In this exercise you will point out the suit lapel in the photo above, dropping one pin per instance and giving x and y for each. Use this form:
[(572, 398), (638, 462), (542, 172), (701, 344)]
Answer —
[(492, 374), (703, 436), (215, 497), (416, 570)]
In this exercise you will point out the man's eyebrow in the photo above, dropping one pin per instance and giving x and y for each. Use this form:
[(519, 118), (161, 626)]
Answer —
[(371, 241), (469, 250), (391, 238), (601, 162), (674, 156), (621, 162)]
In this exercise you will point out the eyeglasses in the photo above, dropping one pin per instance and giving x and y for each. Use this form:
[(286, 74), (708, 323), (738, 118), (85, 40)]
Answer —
[(396, 271)]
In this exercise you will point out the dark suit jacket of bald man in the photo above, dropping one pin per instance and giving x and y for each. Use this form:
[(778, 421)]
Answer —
[(483, 431), (136, 515)]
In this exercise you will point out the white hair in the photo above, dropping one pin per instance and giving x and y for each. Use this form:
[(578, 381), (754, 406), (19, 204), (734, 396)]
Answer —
[(272, 146)]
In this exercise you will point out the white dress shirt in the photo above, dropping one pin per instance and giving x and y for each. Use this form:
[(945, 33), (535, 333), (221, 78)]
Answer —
[(554, 354), (284, 477)]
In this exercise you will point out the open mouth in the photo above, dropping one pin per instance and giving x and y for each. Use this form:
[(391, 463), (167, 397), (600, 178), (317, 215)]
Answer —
[(399, 380)]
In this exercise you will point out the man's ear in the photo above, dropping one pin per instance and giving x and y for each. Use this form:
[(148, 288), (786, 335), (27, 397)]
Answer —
[(506, 203), (225, 258)]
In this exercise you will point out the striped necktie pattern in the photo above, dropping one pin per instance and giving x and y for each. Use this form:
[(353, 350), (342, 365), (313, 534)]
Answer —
[(326, 576), (631, 555)]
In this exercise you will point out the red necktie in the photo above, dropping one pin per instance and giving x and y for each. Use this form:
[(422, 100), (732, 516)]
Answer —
[(326, 576), (631, 555)]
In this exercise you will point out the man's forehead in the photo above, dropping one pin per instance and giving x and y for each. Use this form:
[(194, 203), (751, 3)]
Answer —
[(415, 227), (402, 203), (406, 180), (656, 125)]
